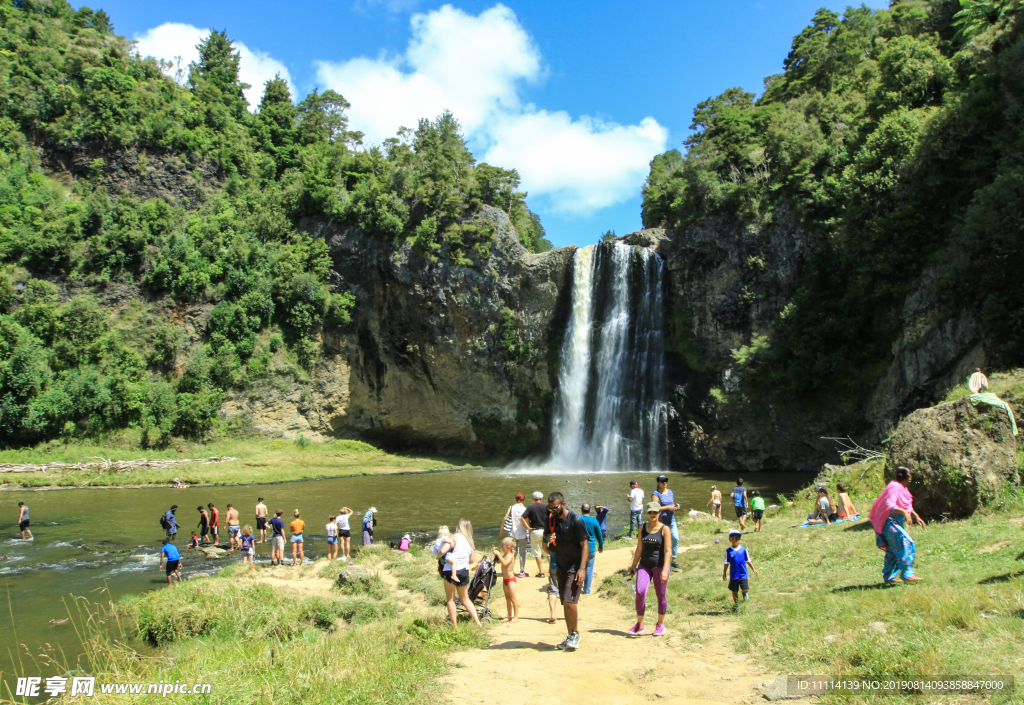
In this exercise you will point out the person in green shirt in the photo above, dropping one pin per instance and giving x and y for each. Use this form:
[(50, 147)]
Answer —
[(757, 507)]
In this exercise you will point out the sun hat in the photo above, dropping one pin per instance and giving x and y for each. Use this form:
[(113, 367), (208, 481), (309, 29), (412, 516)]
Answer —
[(538, 495), (373, 509), (653, 507)]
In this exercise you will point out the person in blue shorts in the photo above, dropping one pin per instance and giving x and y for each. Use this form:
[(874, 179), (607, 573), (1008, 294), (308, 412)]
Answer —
[(740, 503), (737, 558), (170, 551)]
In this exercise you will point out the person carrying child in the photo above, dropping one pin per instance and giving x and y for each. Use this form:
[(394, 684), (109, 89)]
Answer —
[(507, 558), (757, 509), (246, 545), (737, 558)]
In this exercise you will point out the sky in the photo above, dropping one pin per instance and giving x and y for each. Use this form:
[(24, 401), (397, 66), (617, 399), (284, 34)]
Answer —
[(577, 96)]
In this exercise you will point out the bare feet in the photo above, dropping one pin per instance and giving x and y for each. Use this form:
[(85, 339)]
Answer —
[(551, 620), (507, 619)]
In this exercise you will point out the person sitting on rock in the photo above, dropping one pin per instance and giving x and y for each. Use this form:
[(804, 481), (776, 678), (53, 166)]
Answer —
[(977, 382)]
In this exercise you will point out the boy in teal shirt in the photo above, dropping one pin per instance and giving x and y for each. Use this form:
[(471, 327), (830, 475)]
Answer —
[(757, 506)]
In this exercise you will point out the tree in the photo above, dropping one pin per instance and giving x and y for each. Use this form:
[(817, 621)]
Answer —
[(215, 76), (321, 118)]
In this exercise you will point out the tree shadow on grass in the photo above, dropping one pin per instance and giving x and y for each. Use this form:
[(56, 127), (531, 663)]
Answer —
[(1004, 578)]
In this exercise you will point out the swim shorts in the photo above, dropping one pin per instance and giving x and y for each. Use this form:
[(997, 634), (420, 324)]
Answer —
[(261, 522), (233, 530), (173, 566)]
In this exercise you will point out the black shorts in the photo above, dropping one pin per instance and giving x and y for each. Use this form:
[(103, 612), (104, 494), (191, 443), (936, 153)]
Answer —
[(23, 525), (736, 585), (462, 575), (173, 566), (568, 589), (757, 514), (261, 523), (740, 511), (344, 533), (204, 531)]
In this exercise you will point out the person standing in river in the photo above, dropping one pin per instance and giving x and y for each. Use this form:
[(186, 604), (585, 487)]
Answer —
[(214, 523), (667, 499), (171, 522), (23, 521), (277, 547), (173, 560), (296, 528), (569, 540), (261, 520), (535, 520), (234, 527), (595, 543), (204, 525), (368, 522)]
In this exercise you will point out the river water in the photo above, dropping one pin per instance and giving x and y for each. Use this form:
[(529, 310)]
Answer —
[(89, 540)]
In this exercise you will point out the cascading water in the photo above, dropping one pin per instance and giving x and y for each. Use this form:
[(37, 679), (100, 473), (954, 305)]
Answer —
[(611, 412)]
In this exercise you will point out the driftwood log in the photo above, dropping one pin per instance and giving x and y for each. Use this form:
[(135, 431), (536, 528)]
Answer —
[(104, 465)]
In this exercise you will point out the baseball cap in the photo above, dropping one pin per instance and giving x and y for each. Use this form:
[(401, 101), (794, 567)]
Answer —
[(735, 532), (653, 507), (662, 478), (538, 495), (633, 483)]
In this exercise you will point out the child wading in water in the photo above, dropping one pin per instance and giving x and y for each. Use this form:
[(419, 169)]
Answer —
[(735, 569), (508, 579), (248, 550)]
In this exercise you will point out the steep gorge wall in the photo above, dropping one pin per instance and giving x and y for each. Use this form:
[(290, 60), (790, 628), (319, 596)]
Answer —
[(433, 359)]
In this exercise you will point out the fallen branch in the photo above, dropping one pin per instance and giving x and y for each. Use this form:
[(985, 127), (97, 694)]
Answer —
[(854, 451), (112, 466)]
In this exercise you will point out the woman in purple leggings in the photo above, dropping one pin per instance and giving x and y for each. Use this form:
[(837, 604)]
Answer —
[(651, 565)]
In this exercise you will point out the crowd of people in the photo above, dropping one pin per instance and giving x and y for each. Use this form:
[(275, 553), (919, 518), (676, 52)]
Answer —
[(338, 532)]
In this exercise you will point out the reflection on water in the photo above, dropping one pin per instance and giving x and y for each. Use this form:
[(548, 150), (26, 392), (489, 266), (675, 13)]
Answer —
[(91, 540)]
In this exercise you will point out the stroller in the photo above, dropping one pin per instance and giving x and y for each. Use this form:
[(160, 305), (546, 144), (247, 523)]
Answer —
[(482, 583)]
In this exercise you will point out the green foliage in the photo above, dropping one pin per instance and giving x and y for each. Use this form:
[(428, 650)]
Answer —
[(895, 136), (232, 246)]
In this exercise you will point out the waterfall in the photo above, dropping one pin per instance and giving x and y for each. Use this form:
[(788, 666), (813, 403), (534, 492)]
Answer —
[(611, 411)]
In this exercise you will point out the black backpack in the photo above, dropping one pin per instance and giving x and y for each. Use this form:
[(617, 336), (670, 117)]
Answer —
[(164, 524)]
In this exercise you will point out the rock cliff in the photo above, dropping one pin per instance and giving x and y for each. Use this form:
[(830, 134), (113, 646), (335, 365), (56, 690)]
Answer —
[(439, 356)]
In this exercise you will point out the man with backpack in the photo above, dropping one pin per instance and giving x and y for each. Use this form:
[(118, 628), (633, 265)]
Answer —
[(169, 523), (567, 538)]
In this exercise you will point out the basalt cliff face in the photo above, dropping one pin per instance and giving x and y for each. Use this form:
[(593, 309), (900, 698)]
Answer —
[(439, 357)]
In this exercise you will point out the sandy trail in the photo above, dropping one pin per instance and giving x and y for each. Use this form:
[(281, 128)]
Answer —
[(692, 663)]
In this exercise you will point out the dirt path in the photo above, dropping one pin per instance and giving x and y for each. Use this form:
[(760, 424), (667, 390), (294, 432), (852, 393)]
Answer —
[(692, 663)]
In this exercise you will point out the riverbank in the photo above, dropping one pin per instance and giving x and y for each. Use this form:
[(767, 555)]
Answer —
[(257, 460)]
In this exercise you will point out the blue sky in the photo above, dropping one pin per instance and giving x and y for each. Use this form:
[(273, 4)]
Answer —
[(577, 96)]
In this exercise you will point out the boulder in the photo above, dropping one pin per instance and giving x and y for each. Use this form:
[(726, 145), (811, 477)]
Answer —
[(212, 551), (354, 574), (962, 457)]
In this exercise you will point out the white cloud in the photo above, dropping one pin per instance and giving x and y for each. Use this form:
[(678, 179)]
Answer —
[(474, 66), (172, 39)]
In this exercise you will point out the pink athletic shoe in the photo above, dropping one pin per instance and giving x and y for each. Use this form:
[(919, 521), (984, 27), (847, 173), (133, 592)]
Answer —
[(636, 630), (659, 630)]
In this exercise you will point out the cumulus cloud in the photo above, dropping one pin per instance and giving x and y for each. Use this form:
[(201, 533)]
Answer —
[(475, 67), (174, 39)]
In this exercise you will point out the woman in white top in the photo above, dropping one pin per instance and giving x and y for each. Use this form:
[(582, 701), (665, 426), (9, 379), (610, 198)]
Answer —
[(344, 534), (456, 570)]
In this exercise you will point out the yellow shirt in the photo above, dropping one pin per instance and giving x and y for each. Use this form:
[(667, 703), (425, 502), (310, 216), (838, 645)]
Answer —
[(297, 526)]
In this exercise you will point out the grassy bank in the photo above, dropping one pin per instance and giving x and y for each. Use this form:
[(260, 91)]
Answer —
[(818, 605), (259, 460), (264, 635)]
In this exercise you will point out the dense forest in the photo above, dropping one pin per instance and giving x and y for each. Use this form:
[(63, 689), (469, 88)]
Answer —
[(897, 137), (78, 109)]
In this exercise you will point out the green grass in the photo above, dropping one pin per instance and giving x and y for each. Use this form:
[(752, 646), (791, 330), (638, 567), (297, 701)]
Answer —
[(259, 460), (820, 588), (264, 645)]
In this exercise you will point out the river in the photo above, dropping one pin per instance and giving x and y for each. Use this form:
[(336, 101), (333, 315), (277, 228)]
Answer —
[(89, 540)]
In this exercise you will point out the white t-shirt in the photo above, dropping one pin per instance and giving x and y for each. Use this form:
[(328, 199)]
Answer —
[(461, 554), (342, 522), (636, 499), (826, 508), (518, 530), (332, 529)]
